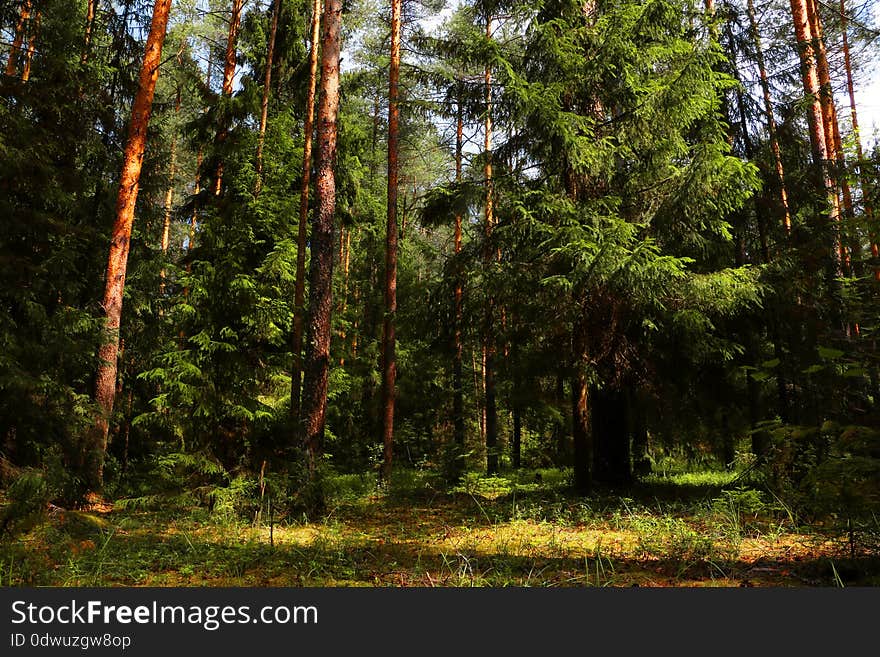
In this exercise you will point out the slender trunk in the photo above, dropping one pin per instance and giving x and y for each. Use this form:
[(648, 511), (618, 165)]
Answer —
[(91, 10), (302, 229), (489, 337), (832, 132), (169, 204), (559, 432), (389, 361), (516, 448), (821, 148), (267, 85), (105, 385), (771, 121), (169, 197), (18, 39), (345, 260), (228, 81), (317, 362), (869, 210), (457, 391), (32, 46), (580, 408)]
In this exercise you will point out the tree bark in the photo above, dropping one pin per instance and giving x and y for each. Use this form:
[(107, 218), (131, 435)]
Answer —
[(32, 46), (821, 148), (317, 362), (18, 39), (580, 409), (267, 86), (117, 262), (490, 349), (228, 81), (389, 361), (771, 121), (302, 229), (457, 383), (833, 143), (869, 210), (169, 198), (91, 11)]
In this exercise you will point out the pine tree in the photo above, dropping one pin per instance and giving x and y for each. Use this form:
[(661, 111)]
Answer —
[(105, 386)]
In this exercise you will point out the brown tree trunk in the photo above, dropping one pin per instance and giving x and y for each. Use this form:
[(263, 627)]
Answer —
[(771, 121), (345, 260), (18, 39), (91, 11), (105, 385), (457, 384), (580, 409), (389, 361), (821, 148), (302, 232), (169, 198), (267, 85), (491, 409), (831, 128), (228, 80), (317, 361), (169, 205), (869, 210), (32, 46)]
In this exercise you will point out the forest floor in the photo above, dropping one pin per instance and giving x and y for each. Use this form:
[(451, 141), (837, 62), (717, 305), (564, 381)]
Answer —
[(515, 530)]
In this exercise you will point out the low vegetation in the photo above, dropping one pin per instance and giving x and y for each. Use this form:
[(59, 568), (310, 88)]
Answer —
[(709, 528)]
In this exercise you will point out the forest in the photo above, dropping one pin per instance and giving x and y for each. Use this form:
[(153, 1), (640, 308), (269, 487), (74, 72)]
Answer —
[(433, 293)]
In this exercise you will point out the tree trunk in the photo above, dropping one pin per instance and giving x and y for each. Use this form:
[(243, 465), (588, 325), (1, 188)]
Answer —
[(317, 362), (516, 447), (869, 210), (91, 11), (389, 361), (169, 205), (169, 198), (832, 132), (580, 409), (105, 385), (32, 46), (771, 121), (489, 330), (457, 384), (812, 89), (228, 80), (18, 39), (302, 229), (267, 85)]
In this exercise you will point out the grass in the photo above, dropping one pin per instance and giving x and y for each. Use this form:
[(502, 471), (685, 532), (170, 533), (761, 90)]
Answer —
[(520, 529)]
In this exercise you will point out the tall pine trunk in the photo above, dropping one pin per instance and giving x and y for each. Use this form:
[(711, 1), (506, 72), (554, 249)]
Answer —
[(317, 362), (854, 115), (267, 86), (91, 11), (31, 49), (389, 361), (228, 81), (457, 383), (489, 347), (302, 229), (581, 432), (117, 262), (169, 198), (832, 132), (812, 90), (771, 121), (18, 39)]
